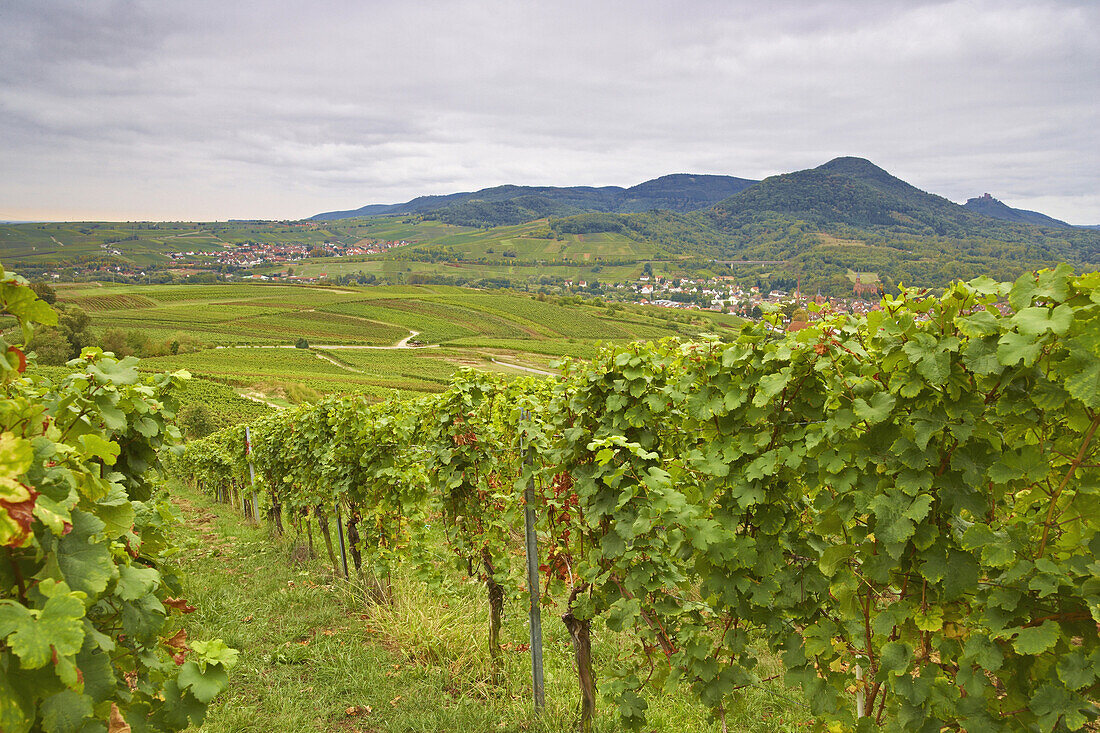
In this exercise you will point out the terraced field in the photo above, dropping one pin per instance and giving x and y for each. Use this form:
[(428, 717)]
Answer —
[(255, 324), (259, 367)]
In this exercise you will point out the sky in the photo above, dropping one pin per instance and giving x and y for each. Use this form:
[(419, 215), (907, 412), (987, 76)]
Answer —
[(208, 110)]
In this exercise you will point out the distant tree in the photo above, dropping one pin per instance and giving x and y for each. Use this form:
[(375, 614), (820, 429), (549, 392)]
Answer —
[(196, 421), (43, 290), (114, 340), (73, 323), (56, 346), (301, 343), (51, 346), (137, 342)]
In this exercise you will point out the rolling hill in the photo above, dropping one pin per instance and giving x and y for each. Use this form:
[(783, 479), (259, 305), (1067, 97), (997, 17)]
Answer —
[(850, 216), (825, 227), (518, 204)]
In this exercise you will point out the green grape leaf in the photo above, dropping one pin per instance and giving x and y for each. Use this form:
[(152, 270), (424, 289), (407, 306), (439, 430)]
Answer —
[(215, 651), (894, 659), (985, 652), (977, 325), (85, 562), (203, 685), (1052, 703), (980, 356), (146, 426), (65, 712), (120, 373), (833, 556), (16, 709), (1037, 321), (54, 515), (930, 619), (1076, 670), (962, 575), (16, 455), (875, 411), (134, 582), (1013, 348), (1081, 372), (1037, 639), (116, 512), (99, 678), (97, 447), (34, 635)]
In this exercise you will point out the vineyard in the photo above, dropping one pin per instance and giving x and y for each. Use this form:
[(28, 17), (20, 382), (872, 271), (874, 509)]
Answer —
[(902, 507)]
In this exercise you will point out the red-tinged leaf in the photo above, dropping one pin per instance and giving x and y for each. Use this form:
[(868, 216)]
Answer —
[(178, 641), (179, 604), (116, 723), (16, 512), (22, 358)]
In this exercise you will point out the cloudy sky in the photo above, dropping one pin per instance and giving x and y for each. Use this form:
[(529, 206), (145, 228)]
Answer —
[(207, 109)]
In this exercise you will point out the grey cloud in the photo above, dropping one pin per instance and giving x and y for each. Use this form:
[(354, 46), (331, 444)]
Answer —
[(261, 109)]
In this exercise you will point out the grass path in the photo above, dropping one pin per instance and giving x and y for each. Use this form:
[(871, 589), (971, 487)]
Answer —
[(315, 657)]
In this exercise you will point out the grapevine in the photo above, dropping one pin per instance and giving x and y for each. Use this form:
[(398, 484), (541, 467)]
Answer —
[(902, 505), (89, 632)]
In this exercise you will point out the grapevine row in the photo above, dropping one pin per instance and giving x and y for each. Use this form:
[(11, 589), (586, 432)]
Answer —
[(903, 506)]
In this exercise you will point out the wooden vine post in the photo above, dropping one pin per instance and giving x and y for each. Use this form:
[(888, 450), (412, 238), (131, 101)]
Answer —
[(343, 546), (532, 545), (251, 473), (322, 524)]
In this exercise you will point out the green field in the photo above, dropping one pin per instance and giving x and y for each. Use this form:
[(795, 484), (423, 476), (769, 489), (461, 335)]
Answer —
[(525, 254), (239, 335), (148, 243)]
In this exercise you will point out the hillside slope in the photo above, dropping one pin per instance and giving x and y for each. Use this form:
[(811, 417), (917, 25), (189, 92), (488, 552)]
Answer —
[(518, 204), (986, 205), (849, 216)]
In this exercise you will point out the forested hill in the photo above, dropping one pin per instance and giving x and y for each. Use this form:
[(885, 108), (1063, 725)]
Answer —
[(499, 205), (989, 206), (856, 192), (850, 216)]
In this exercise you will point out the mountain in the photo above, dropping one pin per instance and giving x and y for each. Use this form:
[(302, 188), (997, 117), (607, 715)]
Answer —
[(988, 206), (849, 216), (851, 191), (827, 226), (516, 204), (681, 192)]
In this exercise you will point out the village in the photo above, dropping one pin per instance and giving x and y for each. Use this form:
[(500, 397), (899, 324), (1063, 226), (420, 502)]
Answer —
[(725, 295), (251, 254)]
